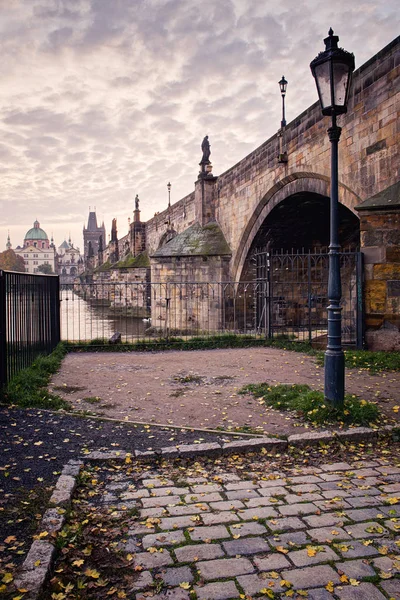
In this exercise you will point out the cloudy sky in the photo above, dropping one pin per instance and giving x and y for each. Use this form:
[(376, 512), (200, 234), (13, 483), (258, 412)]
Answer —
[(101, 100)]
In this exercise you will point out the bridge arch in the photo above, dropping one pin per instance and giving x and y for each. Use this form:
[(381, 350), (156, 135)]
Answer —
[(294, 186)]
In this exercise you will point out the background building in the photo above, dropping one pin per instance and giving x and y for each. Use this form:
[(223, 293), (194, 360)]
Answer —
[(38, 252)]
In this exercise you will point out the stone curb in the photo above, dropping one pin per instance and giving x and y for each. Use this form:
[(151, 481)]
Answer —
[(37, 564), (300, 440)]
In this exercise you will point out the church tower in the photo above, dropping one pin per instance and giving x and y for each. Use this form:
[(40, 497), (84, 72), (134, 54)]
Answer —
[(92, 234)]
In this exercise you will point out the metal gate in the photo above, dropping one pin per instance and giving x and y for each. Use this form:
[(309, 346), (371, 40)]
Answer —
[(292, 300)]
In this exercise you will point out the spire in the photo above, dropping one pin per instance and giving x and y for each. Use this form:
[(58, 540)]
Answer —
[(8, 245)]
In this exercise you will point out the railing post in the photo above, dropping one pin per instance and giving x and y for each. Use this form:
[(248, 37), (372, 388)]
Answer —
[(360, 342), (3, 333)]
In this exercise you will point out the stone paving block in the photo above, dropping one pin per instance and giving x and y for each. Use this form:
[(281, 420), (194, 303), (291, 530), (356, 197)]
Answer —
[(212, 497), (356, 569), (285, 524), (63, 491), (303, 508), (271, 483), (308, 438), (253, 502), (169, 491), (227, 477), (322, 534), (355, 549), (176, 575), (217, 532), (176, 522), (151, 561), (262, 512), (217, 591), (364, 591), (53, 520), (251, 545), (394, 526), (289, 540), (163, 539), (331, 476), (332, 504), (153, 512), (241, 485), (325, 520), (272, 491), (319, 594), (309, 577), (362, 514), (387, 470), (222, 517), (142, 581), (339, 466), (205, 488), (134, 495), (157, 482), (308, 497), (250, 528), (227, 567), (160, 501), (187, 509), (304, 488), (138, 529), (366, 530), (189, 450), (392, 588), (360, 434), (271, 562), (303, 479), (227, 505), (241, 494), (255, 444), (300, 558), (386, 564), (253, 584), (392, 487), (172, 594), (364, 501), (372, 491), (198, 552), (336, 494)]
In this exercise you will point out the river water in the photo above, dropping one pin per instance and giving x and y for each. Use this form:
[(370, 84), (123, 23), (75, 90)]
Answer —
[(80, 321)]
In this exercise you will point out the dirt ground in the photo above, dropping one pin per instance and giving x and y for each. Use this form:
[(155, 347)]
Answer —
[(200, 388)]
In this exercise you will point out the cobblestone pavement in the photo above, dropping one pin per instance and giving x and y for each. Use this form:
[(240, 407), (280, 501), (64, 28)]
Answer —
[(211, 531)]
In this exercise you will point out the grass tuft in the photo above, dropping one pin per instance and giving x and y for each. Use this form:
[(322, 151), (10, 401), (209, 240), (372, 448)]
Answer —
[(311, 405), (29, 387)]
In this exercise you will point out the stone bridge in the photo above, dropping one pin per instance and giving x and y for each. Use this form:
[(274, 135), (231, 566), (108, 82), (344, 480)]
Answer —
[(279, 195)]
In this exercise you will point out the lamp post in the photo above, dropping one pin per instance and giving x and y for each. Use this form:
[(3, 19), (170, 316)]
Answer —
[(169, 194), (283, 85), (332, 70)]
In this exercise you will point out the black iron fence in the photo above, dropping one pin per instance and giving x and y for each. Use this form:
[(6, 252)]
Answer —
[(288, 298), (295, 296), (29, 320)]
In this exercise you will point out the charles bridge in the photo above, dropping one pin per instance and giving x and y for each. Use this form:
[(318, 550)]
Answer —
[(277, 198)]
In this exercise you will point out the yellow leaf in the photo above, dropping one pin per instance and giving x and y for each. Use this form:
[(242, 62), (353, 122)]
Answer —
[(128, 459), (42, 534), (7, 578), (329, 586), (384, 575), (311, 551), (285, 583), (87, 551), (78, 563), (393, 500), (383, 550), (185, 585), (344, 579), (354, 582), (152, 549), (282, 549), (92, 573), (267, 592), (302, 593), (236, 536), (9, 539), (129, 557), (37, 563)]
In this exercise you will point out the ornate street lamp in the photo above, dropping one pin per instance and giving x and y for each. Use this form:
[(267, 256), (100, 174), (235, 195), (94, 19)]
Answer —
[(332, 70), (283, 85), (169, 194)]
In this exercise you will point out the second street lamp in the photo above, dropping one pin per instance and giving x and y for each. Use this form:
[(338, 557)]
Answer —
[(332, 70), (283, 85)]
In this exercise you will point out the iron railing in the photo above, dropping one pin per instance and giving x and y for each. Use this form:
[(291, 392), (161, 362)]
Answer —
[(29, 320), (288, 298)]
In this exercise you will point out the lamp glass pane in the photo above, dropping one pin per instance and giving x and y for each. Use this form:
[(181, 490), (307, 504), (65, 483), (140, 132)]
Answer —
[(322, 77), (340, 78)]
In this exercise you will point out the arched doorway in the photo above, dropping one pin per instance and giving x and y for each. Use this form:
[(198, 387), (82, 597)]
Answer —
[(288, 263)]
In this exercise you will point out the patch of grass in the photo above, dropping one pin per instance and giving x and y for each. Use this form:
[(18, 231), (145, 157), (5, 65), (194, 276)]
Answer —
[(188, 379), (68, 389), (373, 361), (92, 399), (29, 387), (311, 405)]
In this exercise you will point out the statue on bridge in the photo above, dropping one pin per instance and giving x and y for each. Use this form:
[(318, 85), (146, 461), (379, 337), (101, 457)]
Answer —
[(205, 162), (137, 202)]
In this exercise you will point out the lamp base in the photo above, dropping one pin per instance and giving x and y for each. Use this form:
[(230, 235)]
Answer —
[(334, 377)]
